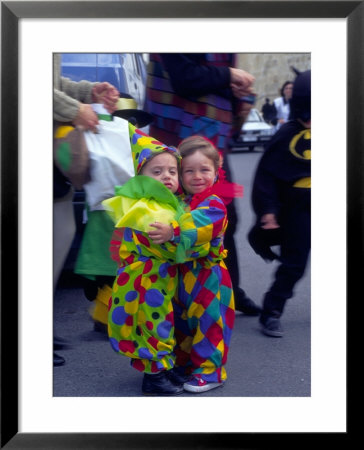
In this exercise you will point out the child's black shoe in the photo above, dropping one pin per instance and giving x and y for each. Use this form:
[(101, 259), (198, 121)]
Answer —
[(159, 384), (177, 377)]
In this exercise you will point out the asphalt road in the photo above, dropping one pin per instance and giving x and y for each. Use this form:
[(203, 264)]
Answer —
[(258, 366)]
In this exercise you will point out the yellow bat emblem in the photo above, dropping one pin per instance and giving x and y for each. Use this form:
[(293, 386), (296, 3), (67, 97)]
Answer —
[(300, 145)]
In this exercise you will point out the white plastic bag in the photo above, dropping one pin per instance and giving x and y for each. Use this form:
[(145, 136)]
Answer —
[(111, 160)]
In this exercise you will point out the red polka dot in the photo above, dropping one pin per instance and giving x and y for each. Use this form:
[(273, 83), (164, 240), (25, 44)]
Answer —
[(137, 282), (149, 325), (153, 342), (138, 365), (172, 270), (143, 240), (170, 317), (126, 346), (154, 367), (129, 321), (153, 278), (147, 266), (123, 279), (142, 292)]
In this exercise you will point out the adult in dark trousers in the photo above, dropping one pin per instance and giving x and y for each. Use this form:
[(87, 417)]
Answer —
[(195, 94), (268, 111), (281, 199), (71, 104)]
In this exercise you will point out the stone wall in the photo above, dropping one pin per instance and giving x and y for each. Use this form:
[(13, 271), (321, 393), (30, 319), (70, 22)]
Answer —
[(271, 70)]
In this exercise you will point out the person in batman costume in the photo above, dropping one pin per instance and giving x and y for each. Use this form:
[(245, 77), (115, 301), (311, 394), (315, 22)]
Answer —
[(281, 199)]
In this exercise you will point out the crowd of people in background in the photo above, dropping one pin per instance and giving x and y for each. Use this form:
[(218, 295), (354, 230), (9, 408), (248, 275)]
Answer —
[(168, 292)]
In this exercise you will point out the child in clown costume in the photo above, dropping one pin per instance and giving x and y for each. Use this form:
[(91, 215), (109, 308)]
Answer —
[(204, 307), (140, 319)]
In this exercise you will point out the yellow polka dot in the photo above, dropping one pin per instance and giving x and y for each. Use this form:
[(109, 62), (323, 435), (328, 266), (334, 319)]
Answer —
[(171, 285), (146, 283), (131, 307), (141, 317), (143, 141), (125, 331)]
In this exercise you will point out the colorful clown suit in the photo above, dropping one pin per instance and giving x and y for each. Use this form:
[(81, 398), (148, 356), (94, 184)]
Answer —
[(140, 319), (204, 308)]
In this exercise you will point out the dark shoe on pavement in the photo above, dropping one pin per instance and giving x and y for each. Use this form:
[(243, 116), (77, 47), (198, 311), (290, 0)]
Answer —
[(177, 377), (271, 326), (100, 327), (244, 304), (60, 343), (58, 360), (159, 384)]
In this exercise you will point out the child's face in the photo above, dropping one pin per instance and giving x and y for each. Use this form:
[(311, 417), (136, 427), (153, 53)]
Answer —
[(163, 168), (198, 172)]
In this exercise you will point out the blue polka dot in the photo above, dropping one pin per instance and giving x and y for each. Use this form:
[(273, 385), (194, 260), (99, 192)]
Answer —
[(162, 353), (145, 353), (163, 269), (171, 362), (114, 344), (145, 153), (154, 298), (164, 329), (135, 138), (143, 258), (131, 295), (128, 235), (159, 365), (119, 315)]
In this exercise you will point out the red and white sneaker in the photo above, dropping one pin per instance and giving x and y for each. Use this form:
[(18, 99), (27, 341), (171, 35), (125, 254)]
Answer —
[(197, 385)]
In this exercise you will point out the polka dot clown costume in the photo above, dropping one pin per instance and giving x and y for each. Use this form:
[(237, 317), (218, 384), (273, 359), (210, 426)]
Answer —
[(140, 320)]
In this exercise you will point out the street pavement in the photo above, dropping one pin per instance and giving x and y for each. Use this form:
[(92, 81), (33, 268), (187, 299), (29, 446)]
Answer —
[(258, 366)]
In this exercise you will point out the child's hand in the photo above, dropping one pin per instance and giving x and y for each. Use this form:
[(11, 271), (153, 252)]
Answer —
[(161, 234)]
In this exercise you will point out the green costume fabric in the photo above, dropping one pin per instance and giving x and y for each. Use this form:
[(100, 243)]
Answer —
[(94, 257)]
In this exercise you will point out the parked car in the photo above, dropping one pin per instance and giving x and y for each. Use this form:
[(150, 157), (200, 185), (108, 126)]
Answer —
[(127, 72), (254, 132)]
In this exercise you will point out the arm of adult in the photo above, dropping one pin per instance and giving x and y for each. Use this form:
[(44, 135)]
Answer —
[(191, 78)]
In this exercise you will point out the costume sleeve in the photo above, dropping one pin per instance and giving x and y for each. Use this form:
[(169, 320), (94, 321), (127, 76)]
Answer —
[(199, 227), (265, 194), (191, 78)]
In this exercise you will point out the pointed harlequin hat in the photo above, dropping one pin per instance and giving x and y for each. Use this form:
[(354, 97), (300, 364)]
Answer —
[(144, 147)]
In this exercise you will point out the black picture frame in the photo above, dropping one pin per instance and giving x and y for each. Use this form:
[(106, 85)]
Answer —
[(11, 12)]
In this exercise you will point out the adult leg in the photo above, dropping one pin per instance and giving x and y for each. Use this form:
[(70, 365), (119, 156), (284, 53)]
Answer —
[(242, 302), (64, 229)]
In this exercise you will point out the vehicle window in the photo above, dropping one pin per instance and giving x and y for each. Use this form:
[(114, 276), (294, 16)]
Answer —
[(253, 116)]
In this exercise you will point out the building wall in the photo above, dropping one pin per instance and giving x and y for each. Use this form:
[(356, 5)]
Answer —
[(271, 70)]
